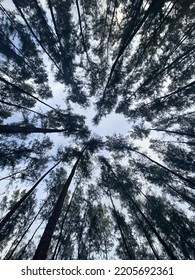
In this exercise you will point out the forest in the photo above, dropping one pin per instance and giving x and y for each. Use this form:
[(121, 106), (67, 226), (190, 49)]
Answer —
[(97, 129)]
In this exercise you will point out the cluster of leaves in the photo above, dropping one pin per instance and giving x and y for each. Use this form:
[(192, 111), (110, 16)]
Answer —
[(108, 198)]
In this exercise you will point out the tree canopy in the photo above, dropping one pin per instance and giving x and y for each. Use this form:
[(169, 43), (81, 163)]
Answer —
[(69, 188)]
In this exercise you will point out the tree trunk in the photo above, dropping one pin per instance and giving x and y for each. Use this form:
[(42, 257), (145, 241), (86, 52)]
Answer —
[(167, 96), (163, 243), (120, 229), (191, 183), (19, 89), (123, 48), (17, 205), (10, 254), (55, 26), (43, 246), (22, 107), (62, 225), (81, 30), (174, 132), (147, 237), (184, 196), (161, 240), (168, 67), (13, 174), (14, 129), (33, 33), (30, 240)]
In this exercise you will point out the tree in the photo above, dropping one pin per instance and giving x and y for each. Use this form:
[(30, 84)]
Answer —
[(18, 223), (23, 198), (42, 249)]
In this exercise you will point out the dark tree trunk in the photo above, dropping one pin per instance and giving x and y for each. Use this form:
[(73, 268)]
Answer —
[(55, 27), (184, 196), (135, 29), (14, 129), (61, 227), (147, 237), (10, 254), (174, 132), (33, 33), (22, 107), (19, 89), (81, 30), (43, 246), (153, 229), (191, 183), (17, 205), (168, 67), (120, 229), (161, 240)]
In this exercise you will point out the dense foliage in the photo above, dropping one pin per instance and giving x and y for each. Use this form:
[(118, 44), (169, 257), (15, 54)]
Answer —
[(66, 191)]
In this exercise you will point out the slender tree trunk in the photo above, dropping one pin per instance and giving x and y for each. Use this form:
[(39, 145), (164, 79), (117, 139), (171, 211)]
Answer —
[(14, 129), (22, 107), (171, 225), (147, 237), (174, 132), (62, 225), (55, 27), (161, 240), (163, 243), (17, 205), (81, 30), (189, 143), (168, 222), (127, 42), (184, 196), (191, 183), (150, 40), (19, 89), (81, 245), (26, 231), (110, 28), (168, 67), (167, 96), (29, 241), (120, 229), (13, 174), (43, 246), (33, 33), (19, 56)]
